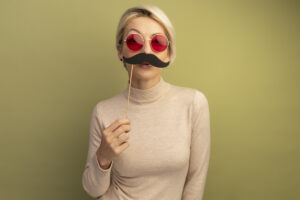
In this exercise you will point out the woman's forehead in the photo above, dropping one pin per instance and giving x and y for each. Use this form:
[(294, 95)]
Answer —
[(144, 25), (151, 33)]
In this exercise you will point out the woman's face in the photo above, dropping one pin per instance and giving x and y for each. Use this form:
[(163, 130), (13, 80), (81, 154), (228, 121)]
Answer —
[(146, 27)]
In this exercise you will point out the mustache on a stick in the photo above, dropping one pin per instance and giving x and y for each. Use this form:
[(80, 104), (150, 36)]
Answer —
[(143, 57)]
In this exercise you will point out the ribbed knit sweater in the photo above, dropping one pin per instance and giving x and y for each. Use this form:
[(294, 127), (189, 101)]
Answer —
[(169, 152)]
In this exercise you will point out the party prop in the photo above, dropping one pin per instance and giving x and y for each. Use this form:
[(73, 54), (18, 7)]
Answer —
[(143, 57)]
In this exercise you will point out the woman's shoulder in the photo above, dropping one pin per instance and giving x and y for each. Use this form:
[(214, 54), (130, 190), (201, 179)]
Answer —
[(194, 98), (191, 94)]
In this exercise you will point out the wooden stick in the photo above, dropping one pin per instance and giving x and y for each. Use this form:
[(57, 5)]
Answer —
[(129, 91)]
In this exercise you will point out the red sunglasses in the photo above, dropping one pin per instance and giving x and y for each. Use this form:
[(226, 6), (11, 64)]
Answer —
[(158, 42)]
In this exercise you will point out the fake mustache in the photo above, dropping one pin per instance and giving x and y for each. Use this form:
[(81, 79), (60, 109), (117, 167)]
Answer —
[(143, 57)]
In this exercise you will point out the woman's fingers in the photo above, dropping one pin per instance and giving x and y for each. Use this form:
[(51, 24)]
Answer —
[(122, 138), (123, 146), (115, 139), (121, 129), (112, 127)]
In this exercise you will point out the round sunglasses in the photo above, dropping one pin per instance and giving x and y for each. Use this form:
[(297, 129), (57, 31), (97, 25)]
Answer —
[(158, 42)]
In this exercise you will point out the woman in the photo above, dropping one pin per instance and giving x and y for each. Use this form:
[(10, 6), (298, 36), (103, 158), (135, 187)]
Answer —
[(167, 153)]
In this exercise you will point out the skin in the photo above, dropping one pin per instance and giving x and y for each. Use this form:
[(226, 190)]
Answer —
[(115, 136)]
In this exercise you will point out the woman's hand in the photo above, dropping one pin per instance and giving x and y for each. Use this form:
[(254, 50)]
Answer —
[(114, 141)]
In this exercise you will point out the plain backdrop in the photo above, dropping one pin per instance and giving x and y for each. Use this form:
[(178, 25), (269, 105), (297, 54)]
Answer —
[(58, 59)]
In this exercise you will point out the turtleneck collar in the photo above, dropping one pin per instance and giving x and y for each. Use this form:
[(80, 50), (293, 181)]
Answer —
[(142, 96)]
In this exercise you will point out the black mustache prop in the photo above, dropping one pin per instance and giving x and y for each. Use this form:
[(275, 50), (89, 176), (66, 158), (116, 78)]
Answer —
[(143, 57)]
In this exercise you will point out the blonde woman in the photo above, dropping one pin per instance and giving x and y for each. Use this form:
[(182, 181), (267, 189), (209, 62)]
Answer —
[(161, 149)]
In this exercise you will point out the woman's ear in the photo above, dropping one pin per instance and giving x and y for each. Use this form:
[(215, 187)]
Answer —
[(169, 55), (120, 55)]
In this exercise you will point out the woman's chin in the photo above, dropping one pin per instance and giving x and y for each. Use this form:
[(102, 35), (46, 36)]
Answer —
[(143, 72)]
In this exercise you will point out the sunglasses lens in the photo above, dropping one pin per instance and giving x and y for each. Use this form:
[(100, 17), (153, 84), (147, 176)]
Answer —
[(159, 43), (134, 42)]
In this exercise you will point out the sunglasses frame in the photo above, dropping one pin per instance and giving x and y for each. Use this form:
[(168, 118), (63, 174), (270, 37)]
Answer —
[(150, 39)]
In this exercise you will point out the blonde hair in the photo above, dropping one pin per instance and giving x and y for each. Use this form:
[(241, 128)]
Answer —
[(149, 11)]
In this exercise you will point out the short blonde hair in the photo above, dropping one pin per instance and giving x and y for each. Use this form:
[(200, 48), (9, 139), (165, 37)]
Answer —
[(149, 11)]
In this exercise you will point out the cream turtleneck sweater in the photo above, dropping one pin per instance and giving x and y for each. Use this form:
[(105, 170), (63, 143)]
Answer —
[(169, 150)]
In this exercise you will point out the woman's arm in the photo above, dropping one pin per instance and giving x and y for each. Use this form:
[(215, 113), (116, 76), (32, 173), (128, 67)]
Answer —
[(199, 150), (95, 180)]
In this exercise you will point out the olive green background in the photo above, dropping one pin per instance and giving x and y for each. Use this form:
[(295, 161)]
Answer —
[(58, 59)]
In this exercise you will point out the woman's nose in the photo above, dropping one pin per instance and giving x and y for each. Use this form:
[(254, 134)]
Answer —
[(147, 48)]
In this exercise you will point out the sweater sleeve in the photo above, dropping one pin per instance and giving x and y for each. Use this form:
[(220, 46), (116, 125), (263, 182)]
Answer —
[(199, 149), (95, 180)]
